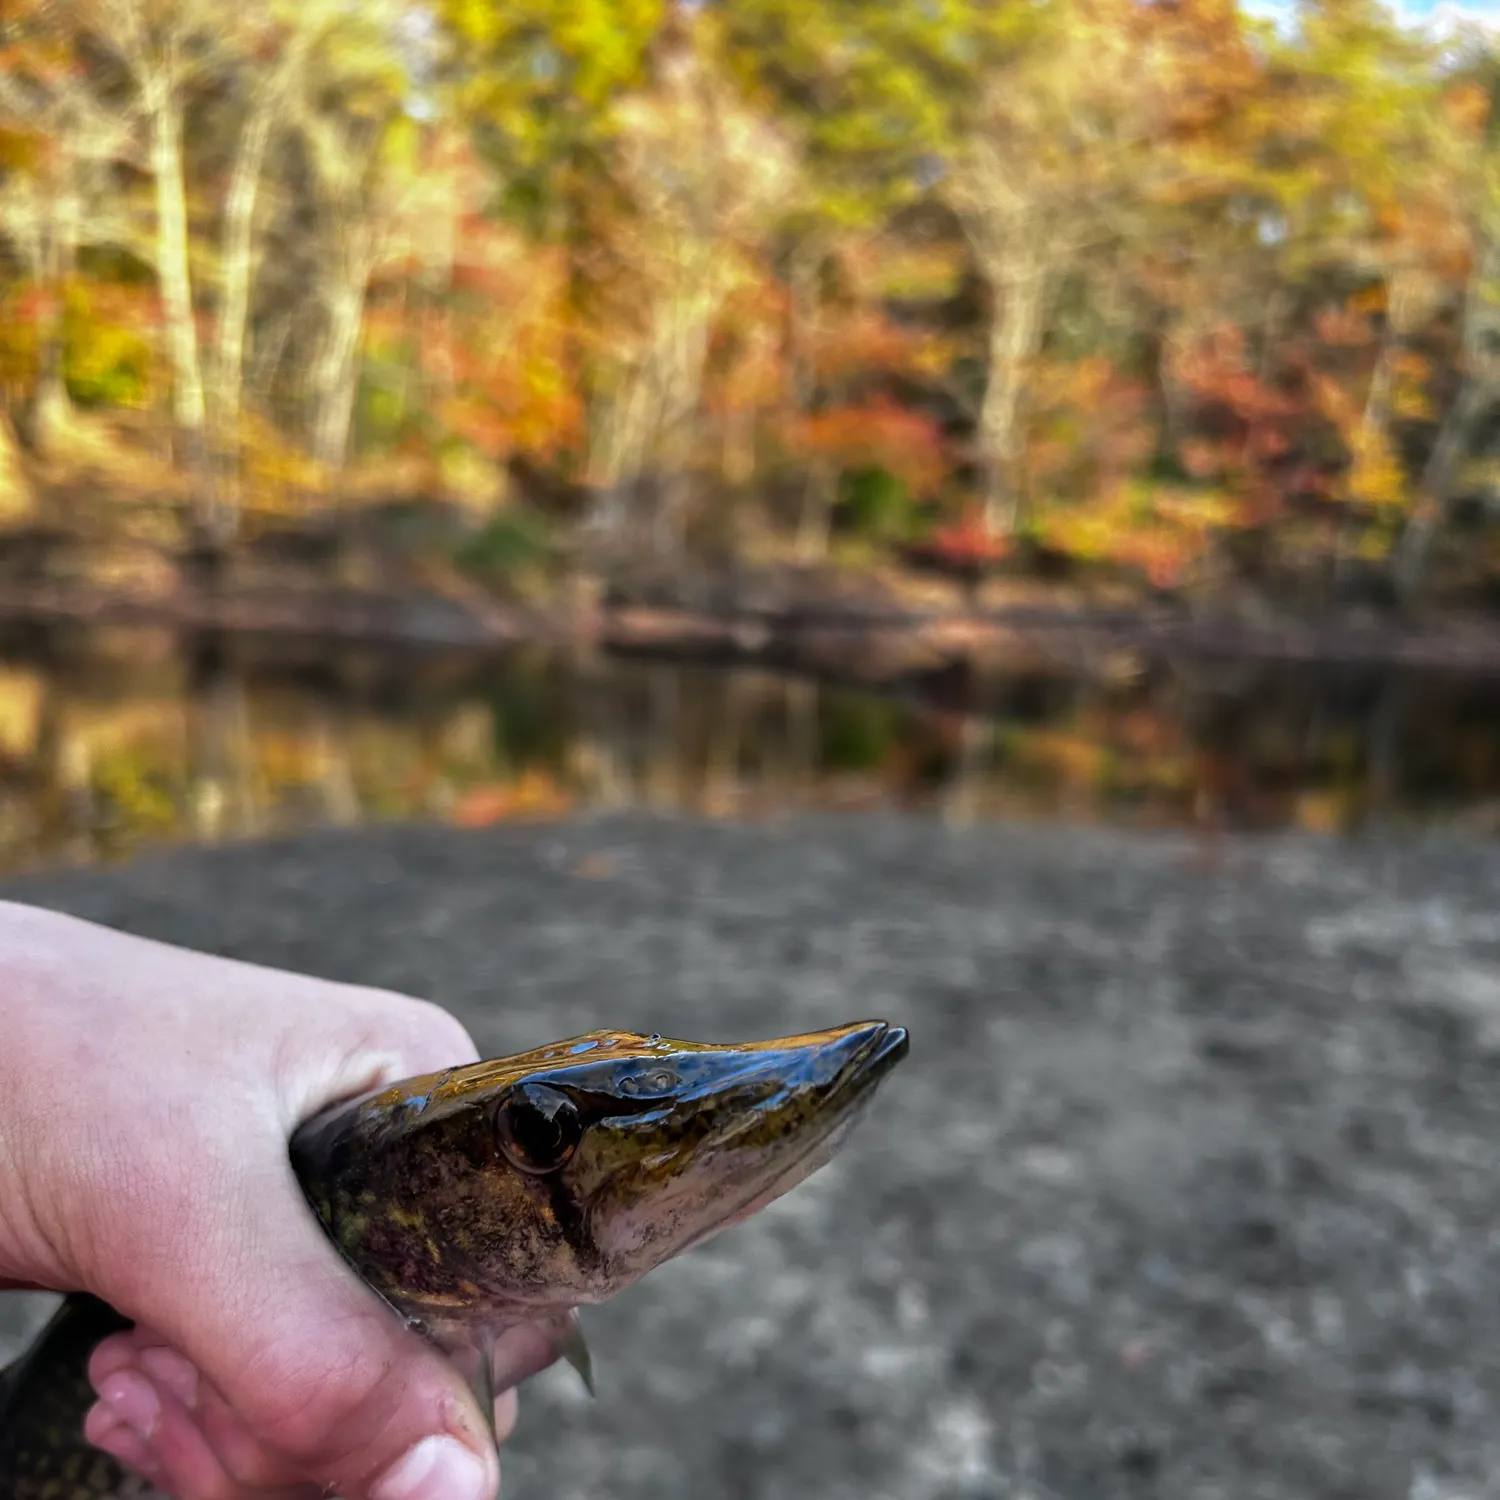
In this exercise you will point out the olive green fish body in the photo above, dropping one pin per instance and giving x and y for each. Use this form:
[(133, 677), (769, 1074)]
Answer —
[(485, 1204)]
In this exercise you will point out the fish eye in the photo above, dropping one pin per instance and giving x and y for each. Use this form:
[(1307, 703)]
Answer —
[(657, 1081), (538, 1128)]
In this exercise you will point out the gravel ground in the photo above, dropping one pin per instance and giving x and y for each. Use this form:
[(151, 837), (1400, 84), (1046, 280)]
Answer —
[(1186, 1188)]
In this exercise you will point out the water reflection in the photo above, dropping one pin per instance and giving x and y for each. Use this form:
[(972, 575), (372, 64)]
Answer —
[(109, 742)]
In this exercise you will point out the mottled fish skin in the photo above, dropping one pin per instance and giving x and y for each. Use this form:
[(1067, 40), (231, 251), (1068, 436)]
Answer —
[(43, 1398), (486, 1203)]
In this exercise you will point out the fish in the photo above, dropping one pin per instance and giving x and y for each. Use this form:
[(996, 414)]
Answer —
[(486, 1204)]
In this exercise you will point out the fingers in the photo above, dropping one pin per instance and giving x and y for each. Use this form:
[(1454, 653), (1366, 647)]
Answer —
[(157, 1415), (202, 1448), (312, 1367), (149, 1430)]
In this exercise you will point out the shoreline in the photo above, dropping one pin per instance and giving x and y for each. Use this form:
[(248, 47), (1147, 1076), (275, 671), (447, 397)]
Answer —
[(848, 641)]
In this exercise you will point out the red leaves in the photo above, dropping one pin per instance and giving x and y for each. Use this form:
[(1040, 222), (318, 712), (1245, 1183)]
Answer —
[(876, 433), (1247, 420), (968, 542)]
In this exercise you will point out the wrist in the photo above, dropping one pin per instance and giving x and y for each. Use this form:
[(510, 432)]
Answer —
[(30, 1092)]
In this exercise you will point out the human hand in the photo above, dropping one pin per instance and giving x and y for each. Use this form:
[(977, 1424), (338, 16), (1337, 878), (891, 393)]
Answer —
[(148, 1097)]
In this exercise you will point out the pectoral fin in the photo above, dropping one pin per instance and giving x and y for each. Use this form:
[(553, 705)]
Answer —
[(516, 1354), (482, 1383), (573, 1347), (499, 1361)]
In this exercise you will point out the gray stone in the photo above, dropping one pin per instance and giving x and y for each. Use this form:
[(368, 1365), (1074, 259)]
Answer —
[(1187, 1188)]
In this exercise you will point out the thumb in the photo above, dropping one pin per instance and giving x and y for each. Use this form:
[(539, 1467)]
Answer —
[(305, 1374)]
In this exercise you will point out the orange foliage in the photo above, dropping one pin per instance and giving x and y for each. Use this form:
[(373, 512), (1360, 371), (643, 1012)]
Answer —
[(533, 797), (877, 433)]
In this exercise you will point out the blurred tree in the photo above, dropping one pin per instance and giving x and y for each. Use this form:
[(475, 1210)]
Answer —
[(64, 137), (1151, 283), (1079, 123), (163, 50), (1471, 108), (377, 179), (687, 240)]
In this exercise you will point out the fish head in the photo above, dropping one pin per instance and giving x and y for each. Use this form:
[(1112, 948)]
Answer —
[(504, 1191)]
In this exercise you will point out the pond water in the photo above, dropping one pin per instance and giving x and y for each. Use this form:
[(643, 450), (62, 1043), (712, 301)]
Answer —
[(114, 741)]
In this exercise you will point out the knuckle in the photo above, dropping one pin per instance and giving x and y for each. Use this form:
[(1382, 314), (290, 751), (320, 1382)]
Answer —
[(323, 1411)]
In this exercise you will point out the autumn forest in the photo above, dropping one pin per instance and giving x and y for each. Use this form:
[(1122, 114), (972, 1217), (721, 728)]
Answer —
[(1148, 292)]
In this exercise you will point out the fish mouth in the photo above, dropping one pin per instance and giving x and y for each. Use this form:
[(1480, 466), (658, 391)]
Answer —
[(881, 1047), (876, 1048)]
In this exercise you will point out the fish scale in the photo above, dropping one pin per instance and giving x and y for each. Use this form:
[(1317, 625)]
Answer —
[(487, 1203)]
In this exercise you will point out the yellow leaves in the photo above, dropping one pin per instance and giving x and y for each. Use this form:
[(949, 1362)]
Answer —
[(1158, 530), (22, 704), (277, 473), (544, 73), (1199, 510), (401, 145), (1410, 404), (479, 22), (1376, 477), (604, 40), (20, 150), (109, 343), (919, 272)]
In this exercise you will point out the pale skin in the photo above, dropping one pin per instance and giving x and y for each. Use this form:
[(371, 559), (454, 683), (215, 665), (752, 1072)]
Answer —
[(149, 1093)]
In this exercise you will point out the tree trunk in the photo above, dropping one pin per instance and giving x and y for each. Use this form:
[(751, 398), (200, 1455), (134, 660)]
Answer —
[(338, 375), (1478, 394), (177, 292), (51, 406), (679, 355), (1015, 336), (238, 259), (815, 522), (616, 440), (804, 306)]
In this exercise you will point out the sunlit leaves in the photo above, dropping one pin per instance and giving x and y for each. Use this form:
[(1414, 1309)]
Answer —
[(539, 75), (1119, 278)]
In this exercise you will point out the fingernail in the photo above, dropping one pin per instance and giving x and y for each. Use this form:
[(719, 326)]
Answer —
[(133, 1400), (437, 1468), (169, 1369)]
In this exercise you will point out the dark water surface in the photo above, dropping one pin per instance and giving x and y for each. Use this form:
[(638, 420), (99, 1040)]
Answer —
[(114, 741)]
